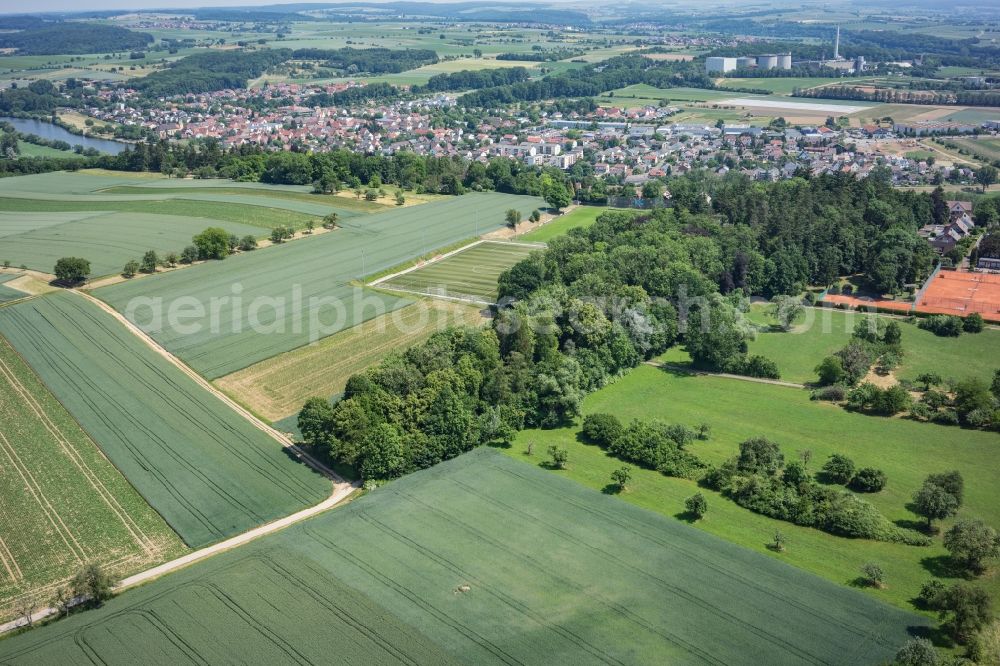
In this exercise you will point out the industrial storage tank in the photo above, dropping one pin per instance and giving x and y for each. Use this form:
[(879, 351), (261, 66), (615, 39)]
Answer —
[(746, 62), (767, 61), (785, 61), (718, 64)]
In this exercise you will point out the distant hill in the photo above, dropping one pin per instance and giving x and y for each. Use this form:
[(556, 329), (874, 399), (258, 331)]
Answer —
[(58, 37)]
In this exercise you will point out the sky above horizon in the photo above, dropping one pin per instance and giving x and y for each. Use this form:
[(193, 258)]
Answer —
[(20, 7)]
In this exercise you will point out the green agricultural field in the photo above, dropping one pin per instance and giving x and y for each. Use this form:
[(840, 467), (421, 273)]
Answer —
[(974, 115), (737, 410), (920, 154), (421, 75), (34, 150), (209, 472), (310, 278), (8, 293), (469, 274), (62, 504), (107, 240), (279, 386), (580, 217), (823, 331), (222, 209), (779, 86), (642, 94), (254, 203), (984, 148), (482, 560)]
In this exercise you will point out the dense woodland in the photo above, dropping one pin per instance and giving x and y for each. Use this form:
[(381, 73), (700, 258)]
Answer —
[(469, 79), (592, 80), (349, 61), (599, 301), (39, 97), (72, 38), (210, 71)]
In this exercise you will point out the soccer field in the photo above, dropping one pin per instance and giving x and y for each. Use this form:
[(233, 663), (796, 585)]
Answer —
[(62, 504), (297, 293), (470, 274), (482, 560), (208, 471)]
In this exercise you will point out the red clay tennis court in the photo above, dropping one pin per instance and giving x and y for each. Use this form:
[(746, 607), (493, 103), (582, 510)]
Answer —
[(961, 293), (862, 302)]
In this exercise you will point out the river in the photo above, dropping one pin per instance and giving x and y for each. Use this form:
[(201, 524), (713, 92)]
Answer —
[(50, 131)]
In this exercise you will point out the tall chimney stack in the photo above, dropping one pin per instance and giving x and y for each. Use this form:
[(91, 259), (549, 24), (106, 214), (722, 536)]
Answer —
[(836, 45)]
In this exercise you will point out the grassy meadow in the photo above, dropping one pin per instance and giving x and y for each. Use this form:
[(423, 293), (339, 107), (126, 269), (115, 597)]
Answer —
[(484, 560), (581, 216), (823, 331), (207, 470), (738, 410), (62, 504)]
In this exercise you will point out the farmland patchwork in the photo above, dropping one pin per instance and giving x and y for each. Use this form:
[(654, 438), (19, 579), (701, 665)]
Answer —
[(483, 560), (256, 305), (62, 504), (209, 472)]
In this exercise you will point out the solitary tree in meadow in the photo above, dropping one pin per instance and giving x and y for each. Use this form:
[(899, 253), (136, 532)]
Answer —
[(620, 477), (934, 503), (71, 271), (696, 505), (558, 456), (513, 217), (971, 543)]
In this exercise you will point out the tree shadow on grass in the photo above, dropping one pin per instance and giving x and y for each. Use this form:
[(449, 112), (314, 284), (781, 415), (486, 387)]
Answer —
[(937, 635), (687, 517), (859, 582), (612, 489), (915, 525), (344, 471), (942, 566)]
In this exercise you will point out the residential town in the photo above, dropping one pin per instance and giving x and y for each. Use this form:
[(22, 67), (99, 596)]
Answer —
[(627, 146)]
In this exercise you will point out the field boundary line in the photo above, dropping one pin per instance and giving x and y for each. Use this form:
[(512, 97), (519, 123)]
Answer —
[(433, 260), (141, 538), (724, 375), (428, 294), (207, 385), (341, 492), (380, 282), (36, 491), (9, 562)]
